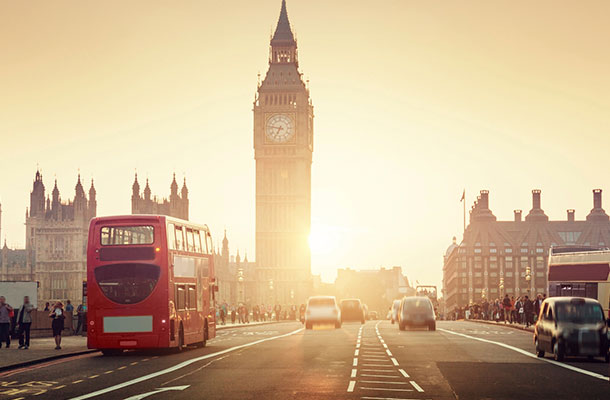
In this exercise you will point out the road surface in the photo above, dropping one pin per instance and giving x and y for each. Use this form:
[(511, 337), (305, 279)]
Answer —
[(460, 360)]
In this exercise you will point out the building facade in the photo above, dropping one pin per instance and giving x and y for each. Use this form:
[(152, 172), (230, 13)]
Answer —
[(375, 287), (283, 148), (510, 257), (56, 240), (176, 206), (235, 277)]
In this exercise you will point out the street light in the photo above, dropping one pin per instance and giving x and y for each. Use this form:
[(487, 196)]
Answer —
[(501, 287), (528, 278)]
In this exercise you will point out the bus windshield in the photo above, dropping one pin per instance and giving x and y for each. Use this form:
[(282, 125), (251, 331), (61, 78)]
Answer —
[(584, 313), (127, 283)]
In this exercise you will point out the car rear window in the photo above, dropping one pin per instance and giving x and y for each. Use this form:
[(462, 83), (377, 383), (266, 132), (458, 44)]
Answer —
[(350, 304), (583, 313), (321, 302), (418, 305)]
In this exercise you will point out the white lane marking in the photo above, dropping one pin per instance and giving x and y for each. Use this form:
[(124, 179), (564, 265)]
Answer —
[(388, 389), (378, 370), (357, 345), (384, 398), (416, 386), (371, 358), (378, 365), (394, 361), (354, 372), (380, 376), (355, 362), (403, 372), (389, 353), (350, 387), (356, 352), (385, 345), (144, 395), (179, 366), (385, 382), (531, 355)]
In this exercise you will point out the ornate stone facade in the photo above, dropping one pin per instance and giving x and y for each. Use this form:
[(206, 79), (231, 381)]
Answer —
[(176, 206), (283, 147), (56, 240)]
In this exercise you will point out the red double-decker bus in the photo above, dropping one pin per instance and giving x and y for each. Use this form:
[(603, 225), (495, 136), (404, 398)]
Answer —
[(150, 283)]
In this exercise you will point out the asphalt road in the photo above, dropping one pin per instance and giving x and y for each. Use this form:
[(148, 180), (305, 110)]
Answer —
[(282, 361)]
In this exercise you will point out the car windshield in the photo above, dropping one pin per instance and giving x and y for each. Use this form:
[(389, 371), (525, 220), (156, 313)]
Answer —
[(583, 313), (321, 302)]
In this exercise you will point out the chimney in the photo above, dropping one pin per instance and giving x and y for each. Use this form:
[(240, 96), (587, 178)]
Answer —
[(597, 213), (484, 199), (597, 199), (571, 215), (536, 199), (518, 215)]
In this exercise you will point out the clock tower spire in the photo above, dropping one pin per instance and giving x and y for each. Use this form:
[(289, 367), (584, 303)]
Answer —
[(283, 148)]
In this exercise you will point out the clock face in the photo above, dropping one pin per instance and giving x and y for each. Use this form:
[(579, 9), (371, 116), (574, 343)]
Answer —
[(280, 128)]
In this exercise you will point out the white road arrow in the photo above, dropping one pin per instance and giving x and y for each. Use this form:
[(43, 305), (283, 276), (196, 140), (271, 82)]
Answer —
[(141, 396)]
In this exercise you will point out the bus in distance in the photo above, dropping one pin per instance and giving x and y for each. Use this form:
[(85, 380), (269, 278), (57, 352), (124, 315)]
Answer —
[(150, 282)]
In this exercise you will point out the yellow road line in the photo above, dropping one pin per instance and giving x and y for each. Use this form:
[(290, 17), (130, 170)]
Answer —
[(78, 381)]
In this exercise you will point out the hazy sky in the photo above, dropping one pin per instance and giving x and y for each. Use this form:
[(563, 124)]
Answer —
[(414, 101)]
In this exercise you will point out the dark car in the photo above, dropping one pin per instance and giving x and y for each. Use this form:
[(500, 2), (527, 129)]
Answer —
[(352, 310), (571, 326), (416, 311)]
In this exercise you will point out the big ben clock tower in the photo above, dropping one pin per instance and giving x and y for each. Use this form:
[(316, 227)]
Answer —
[(283, 147)]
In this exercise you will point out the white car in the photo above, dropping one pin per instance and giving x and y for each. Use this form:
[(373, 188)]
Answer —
[(395, 308), (322, 310)]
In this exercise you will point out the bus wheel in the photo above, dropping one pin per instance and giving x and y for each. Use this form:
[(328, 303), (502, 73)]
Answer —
[(180, 339), (205, 336)]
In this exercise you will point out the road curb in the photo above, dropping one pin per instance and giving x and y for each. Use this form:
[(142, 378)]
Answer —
[(45, 359), (521, 328)]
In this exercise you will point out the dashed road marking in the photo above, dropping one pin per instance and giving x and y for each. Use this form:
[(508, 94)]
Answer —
[(403, 372), (93, 376), (394, 361), (350, 387), (354, 372), (387, 389), (355, 362), (416, 386), (385, 382), (380, 376), (389, 353), (78, 381), (356, 352)]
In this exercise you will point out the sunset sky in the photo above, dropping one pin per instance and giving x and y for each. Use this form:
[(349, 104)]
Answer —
[(414, 101)]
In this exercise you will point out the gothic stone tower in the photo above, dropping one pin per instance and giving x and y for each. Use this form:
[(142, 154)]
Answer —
[(283, 147)]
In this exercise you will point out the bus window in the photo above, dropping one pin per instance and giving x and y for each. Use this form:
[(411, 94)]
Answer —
[(192, 296), (197, 241), (180, 297), (208, 242), (179, 238), (171, 236), (127, 235), (189, 239)]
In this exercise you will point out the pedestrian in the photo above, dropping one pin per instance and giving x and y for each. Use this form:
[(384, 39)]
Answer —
[(57, 314), (47, 306), (233, 314), (69, 306), (506, 304), (528, 311), (277, 310), (24, 323), (6, 313), (80, 315)]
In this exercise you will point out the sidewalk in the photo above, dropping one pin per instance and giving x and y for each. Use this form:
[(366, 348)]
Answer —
[(43, 349), (501, 323)]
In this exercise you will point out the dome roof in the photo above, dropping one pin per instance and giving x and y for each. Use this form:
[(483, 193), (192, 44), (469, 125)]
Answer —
[(451, 248)]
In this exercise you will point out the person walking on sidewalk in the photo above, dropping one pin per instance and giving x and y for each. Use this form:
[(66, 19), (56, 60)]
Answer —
[(6, 312), (528, 310), (57, 314), (80, 315), (507, 306), (24, 323)]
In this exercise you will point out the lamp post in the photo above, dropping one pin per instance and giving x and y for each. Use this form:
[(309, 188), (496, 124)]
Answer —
[(240, 283), (271, 300), (501, 287), (528, 278)]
